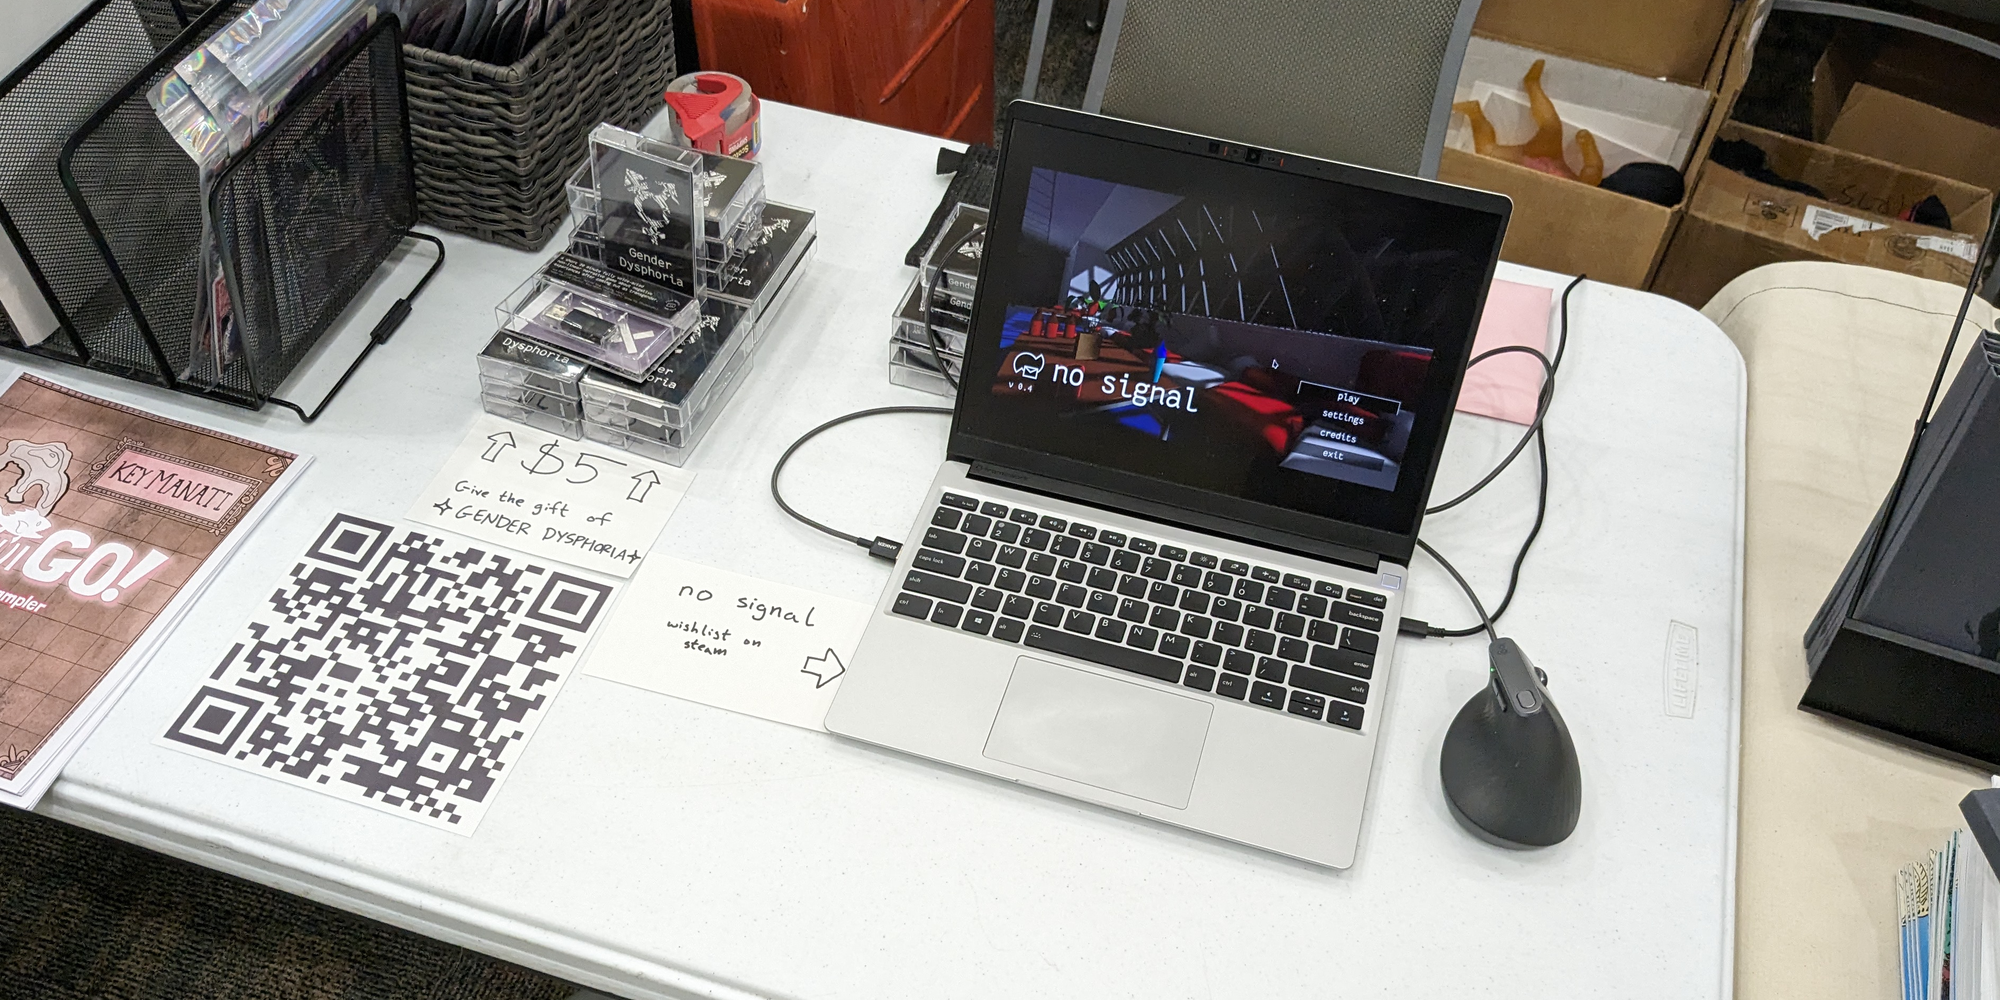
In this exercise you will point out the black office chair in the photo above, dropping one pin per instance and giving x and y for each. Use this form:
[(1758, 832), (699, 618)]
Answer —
[(1361, 81)]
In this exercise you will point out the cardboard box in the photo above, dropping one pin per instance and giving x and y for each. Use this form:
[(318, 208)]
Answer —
[(1666, 39), (1931, 74), (1937, 72), (1845, 59), (1734, 224), (1619, 246), (1888, 126), (1571, 228)]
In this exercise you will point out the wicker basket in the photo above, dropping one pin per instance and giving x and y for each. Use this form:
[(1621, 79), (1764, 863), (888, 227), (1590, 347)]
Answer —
[(494, 144)]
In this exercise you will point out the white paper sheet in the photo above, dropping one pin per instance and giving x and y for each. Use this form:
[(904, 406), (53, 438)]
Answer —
[(738, 642), (1620, 139), (575, 502), (1661, 103)]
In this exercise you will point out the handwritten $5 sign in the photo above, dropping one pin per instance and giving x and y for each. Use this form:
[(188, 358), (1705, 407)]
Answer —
[(573, 502)]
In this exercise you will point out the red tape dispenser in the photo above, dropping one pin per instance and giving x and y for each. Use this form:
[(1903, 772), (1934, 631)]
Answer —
[(715, 113)]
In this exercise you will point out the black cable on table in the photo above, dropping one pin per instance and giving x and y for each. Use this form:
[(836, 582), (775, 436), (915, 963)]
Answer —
[(1538, 432), (879, 547), (1485, 621), (1542, 400), (1514, 574)]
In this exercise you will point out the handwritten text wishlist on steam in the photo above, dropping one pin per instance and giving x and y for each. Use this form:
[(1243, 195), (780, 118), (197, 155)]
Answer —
[(738, 642)]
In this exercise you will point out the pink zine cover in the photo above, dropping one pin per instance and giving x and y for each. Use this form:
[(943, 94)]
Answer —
[(105, 513), (1505, 387)]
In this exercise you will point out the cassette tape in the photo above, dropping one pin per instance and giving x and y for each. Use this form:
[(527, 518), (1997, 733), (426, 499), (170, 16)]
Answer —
[(530, 416), (784, 241), (912, 367), (961, 272), (597, 327), (673, 445), (512, 359), (676, 391), (908, 326), (920, 379), (561, 407), (652, 206)]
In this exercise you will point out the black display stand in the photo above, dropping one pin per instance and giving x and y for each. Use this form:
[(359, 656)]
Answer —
[(1908, 643), (106, 210)]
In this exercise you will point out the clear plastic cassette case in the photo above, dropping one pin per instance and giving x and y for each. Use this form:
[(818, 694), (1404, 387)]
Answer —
[(512, 359), (653, 206), (597, 328)]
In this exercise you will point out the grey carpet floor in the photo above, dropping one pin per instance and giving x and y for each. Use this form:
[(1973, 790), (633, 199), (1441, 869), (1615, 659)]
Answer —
[(85, 917)]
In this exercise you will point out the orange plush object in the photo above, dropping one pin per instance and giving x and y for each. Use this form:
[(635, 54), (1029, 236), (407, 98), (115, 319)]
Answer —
[(1544, 150)]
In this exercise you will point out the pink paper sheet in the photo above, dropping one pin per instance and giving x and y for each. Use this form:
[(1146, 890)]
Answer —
[(1505, 387)]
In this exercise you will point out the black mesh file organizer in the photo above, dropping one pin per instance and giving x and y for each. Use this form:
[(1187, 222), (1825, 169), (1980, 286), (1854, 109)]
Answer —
[(105, 208)]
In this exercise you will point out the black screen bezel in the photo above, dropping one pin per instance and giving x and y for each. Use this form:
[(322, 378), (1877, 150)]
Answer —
[(1091, 483)]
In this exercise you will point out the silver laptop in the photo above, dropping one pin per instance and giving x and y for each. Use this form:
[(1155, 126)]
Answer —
[(1204, 394)]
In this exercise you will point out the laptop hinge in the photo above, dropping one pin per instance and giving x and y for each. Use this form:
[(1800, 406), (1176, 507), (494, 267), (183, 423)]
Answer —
[(1367, 562)]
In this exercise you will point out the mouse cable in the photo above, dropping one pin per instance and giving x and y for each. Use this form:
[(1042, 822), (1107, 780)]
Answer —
[(886, 549), (1413, 626), (934, 340), (1537, 431), (1485, 621)]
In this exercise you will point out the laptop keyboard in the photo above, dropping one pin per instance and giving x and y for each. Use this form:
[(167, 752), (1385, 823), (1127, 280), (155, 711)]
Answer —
[(1290, 643)]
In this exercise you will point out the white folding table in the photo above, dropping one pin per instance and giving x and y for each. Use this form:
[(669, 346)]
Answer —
[(651, 847)]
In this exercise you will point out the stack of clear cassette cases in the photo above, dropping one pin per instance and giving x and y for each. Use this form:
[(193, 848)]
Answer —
[(778, 249), (911, 361), (636, 199), (664, 415), (529, 382), (605, 317), (603, 344), (966, 223), (953, 261)]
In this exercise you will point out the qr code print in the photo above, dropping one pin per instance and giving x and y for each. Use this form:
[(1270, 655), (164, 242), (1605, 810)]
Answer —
[(396, 669)]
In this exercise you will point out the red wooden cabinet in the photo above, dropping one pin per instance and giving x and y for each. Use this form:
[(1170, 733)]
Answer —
[(923, 65)]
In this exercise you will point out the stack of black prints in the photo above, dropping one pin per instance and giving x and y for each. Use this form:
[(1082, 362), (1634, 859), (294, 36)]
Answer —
[(927, 343), (641, 330)]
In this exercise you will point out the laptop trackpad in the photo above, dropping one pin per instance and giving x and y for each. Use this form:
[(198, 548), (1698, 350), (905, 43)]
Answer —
[(1113, 734)]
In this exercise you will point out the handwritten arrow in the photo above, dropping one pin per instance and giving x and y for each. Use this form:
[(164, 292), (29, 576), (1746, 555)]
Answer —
[(817, 666), (499, 443), (643, 484)]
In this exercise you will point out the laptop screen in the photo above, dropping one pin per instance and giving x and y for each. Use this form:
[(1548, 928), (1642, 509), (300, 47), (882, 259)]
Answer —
[(1262, 336)]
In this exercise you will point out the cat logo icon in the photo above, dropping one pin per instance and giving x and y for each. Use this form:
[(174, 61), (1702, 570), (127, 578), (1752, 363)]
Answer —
[(1029, 365)]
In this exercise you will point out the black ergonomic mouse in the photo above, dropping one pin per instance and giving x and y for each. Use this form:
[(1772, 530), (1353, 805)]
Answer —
[(1508, 763)]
